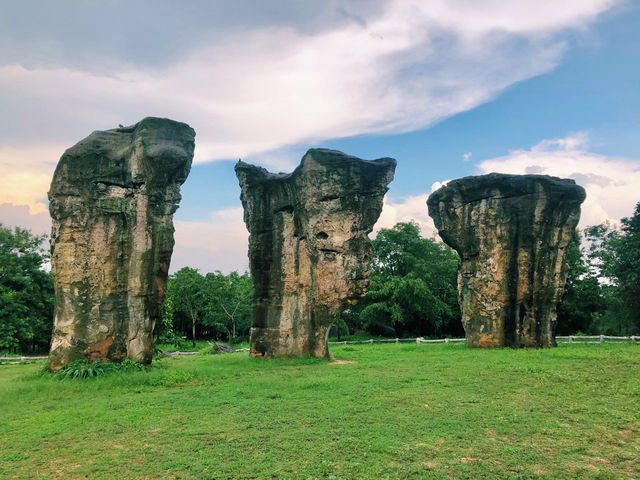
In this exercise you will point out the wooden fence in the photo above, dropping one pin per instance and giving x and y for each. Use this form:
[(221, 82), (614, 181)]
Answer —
[(559, 339)]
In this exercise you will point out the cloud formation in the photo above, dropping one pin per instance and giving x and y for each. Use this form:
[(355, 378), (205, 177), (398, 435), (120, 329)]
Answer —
[(257, 85), (612, 184), (250, 87), (20, 216), (408, 209)]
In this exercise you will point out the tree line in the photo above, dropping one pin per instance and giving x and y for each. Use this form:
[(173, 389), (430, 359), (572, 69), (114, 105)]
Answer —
[(412, 291)]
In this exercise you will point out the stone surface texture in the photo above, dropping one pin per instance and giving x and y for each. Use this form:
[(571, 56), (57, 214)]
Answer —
[(112, 200), (511, 232), (309, 248)]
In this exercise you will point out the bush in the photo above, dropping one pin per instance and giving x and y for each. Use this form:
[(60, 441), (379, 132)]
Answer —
[(82, 369)]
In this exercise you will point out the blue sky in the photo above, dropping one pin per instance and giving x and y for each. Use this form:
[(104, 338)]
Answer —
[(449, 89)]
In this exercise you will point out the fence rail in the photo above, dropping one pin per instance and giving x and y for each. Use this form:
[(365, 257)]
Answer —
[(21, 359), (595, 338), (398, 340), (559, 339)]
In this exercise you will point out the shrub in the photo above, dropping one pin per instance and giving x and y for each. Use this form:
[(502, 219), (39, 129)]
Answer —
[(85, 369), (81, 369)]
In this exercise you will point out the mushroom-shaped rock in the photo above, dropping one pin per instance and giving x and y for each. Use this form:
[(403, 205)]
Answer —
[(511, 232), (308, 247), (112, 200)]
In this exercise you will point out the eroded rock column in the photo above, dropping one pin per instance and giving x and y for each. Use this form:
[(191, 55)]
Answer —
[(308, 247), (511, 232), (112, 200)]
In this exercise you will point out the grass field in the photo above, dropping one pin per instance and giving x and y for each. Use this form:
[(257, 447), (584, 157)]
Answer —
[(381, 411)]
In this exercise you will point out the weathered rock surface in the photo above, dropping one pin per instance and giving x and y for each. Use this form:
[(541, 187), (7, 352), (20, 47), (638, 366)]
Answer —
[(511, 232), (112, 199), (308, 248)]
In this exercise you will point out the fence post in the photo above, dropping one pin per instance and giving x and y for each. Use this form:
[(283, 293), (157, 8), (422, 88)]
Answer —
[(446, 340), (601, 338), (418, 339), (570, 338), (397, 340)]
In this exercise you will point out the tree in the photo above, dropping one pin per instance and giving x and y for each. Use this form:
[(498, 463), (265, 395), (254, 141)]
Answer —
[(583, 303), (187, 296), (26, 292), (413, 284), (210, 306), (164, 330), (229, 302), (624, 268), (613, 259)]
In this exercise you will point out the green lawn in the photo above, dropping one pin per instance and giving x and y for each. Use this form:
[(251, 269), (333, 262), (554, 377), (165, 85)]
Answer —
[(383, 411)]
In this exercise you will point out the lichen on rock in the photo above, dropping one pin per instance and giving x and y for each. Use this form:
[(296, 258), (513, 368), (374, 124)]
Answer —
[(112, 200), (511, 232), (309, 249)]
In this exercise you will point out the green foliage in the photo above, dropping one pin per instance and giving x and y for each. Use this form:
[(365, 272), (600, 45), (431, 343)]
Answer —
[(394, 412), (603, 284), (413, 284), (82, 369), (165, 332), (340, 328), (625, 268), (214, 306), (584, 303), (26, 292), (186, 292), (229, 304)]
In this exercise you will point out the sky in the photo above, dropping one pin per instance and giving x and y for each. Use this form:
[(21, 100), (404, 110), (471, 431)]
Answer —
[(449, 88)]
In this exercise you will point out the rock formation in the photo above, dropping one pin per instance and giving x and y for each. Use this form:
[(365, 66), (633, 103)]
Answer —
[(511, 232), (112, 199), (308, 247)]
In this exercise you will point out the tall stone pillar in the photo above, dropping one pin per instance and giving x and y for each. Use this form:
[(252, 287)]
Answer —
[(308, 248), (112, 200), (511, 232)]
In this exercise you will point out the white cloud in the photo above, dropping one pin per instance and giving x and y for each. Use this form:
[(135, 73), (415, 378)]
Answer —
[(256, 91), (474, 17), (218, 243), (22, 216), (436, 185), (25, 175), (612, 184), (409, 209), (466, 156)]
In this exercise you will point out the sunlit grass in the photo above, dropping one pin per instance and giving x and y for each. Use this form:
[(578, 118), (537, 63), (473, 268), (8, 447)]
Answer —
[(387, 411)]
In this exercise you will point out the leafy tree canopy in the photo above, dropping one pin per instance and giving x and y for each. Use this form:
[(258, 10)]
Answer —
[(212, 306), (412, 285), (26, 292)]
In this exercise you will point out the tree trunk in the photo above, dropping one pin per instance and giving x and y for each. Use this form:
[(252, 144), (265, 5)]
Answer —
[(193, 331)]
